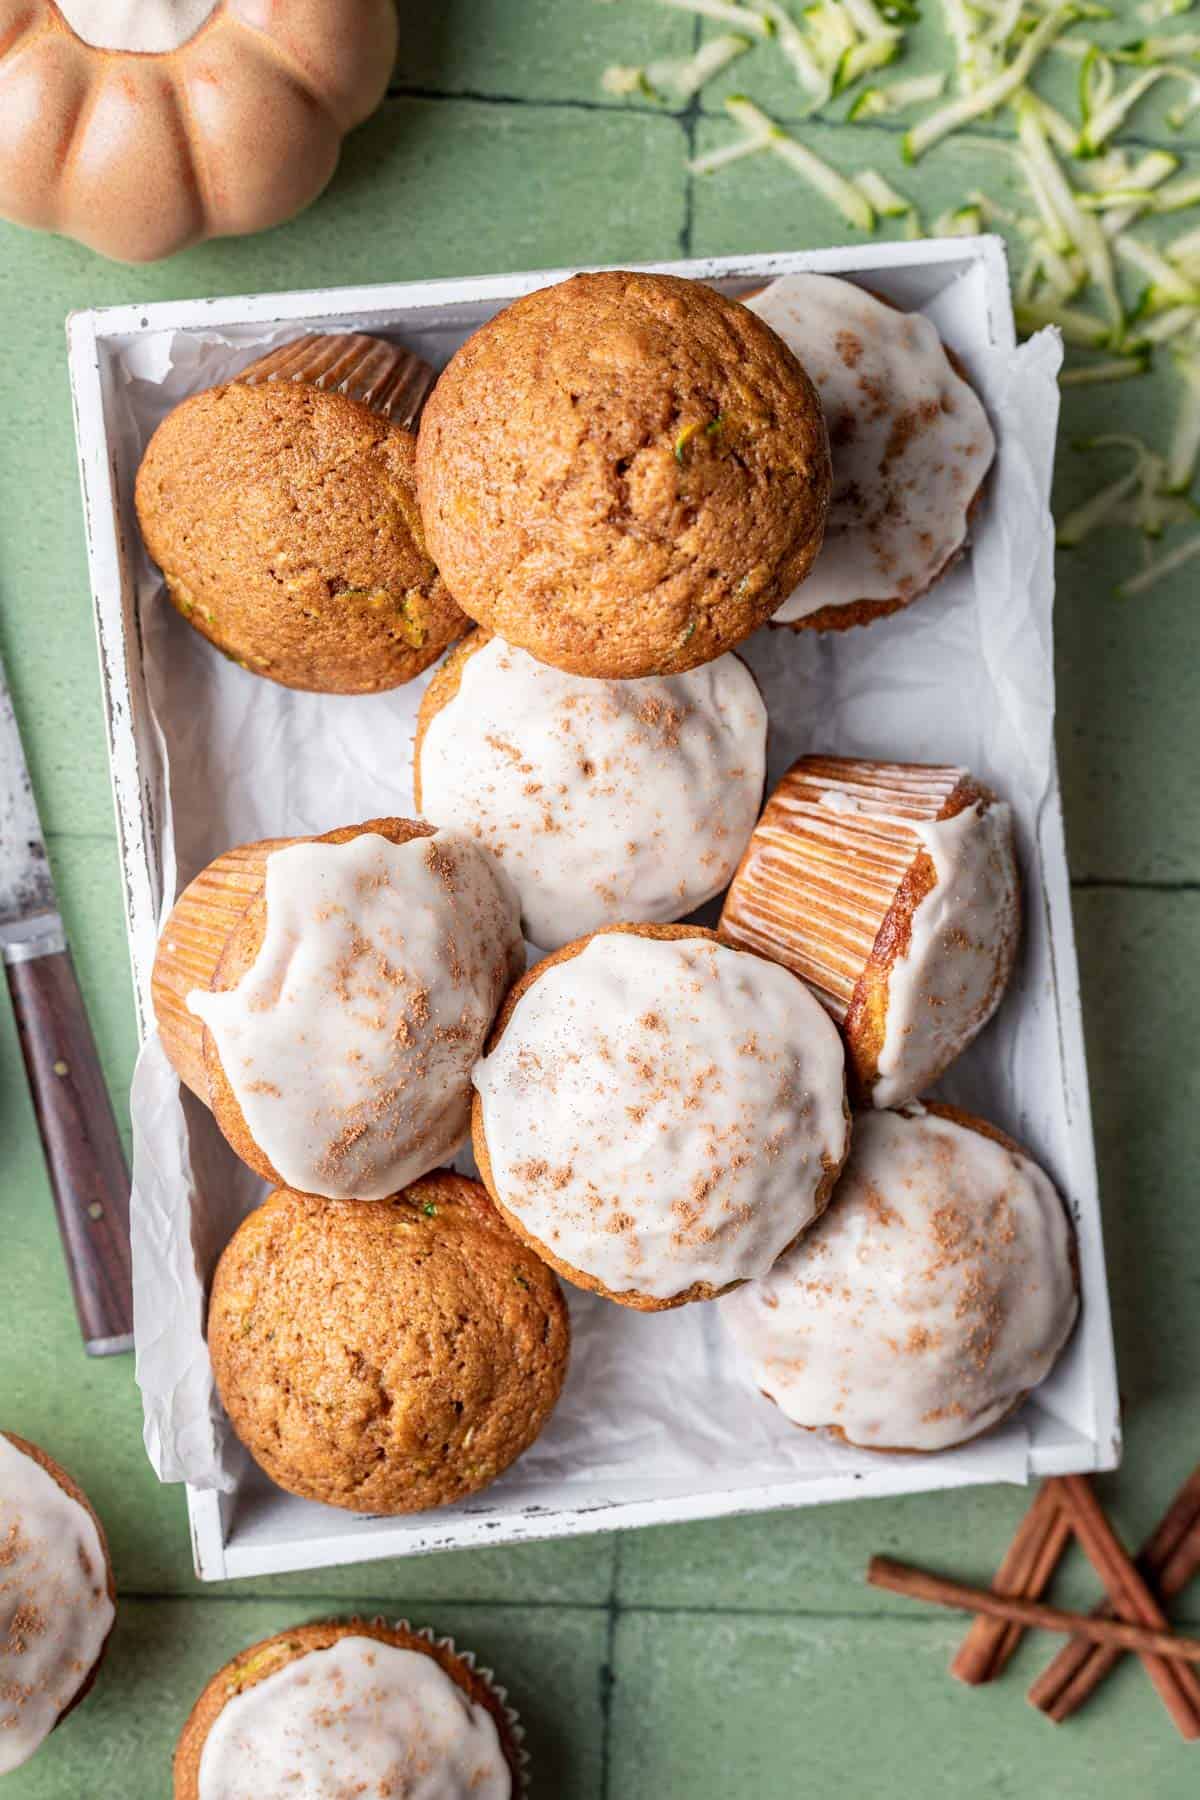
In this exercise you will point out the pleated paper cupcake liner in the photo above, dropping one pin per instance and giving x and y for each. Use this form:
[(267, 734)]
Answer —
[(390, 380), (826, 863), (192, 944)]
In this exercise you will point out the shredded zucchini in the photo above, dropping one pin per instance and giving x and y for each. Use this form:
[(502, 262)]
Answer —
[(728, 12), (1155, 572), (849, 200), (1084, 329), (1118, 368), (1168, 285), (895, 96), (993, 93), (882, 196), (1184, 447)]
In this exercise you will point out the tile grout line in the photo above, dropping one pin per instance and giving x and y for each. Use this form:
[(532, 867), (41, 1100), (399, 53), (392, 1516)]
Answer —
[(695, 109), (612, 1608), (689, 119), (608, 1671)]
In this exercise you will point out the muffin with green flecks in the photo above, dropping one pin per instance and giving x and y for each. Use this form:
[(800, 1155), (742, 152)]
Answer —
[(284, 519)]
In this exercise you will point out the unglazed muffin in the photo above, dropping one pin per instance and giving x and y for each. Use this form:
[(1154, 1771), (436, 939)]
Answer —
[(346, 1707), (938, 1289), (660, 1115), (911, 447), (57, 1598), (892, 889), (605, 801), (623, 474), (385, 1358), (285, 522), (327, 997)]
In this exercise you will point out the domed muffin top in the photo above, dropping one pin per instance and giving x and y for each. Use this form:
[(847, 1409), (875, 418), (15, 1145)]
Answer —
[(623, 474), (386, 1358)]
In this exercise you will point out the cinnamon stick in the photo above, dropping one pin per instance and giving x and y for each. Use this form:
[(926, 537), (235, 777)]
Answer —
[(1168, 1561), (940, 1590), (1028, 1565), (1179, 1689)]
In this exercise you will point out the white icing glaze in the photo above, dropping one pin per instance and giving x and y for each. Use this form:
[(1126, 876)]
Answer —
[(656, 1112), (910, 440), (360, 1718), (935, 1290), (55, 1612), (607, 801), (349, 1042), (950, 980), (141, 25)]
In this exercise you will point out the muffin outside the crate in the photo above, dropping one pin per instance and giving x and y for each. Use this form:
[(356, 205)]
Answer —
[(605, 801), (892, 889), (350, 1705), (623, 474), (57, 1597), (660, 1115), (284, 519), (910, 441), (327, 997), (935, 1293), (385, 1358)]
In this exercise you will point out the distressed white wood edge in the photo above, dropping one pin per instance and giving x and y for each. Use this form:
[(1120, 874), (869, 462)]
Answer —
[(98, 335)]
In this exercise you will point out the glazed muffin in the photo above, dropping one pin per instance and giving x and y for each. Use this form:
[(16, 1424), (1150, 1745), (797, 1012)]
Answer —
[(937, 1291), (57, 1597), (285, 522), (623, 474), (892, 889), (604, 800), (911, 447), (386, 1358), (326, 998), (350, 1706), (660, 1115)]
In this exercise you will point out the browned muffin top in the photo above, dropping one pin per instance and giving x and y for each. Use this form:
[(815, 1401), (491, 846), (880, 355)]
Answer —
[(286, 525), (623, 474), (388, 1355)]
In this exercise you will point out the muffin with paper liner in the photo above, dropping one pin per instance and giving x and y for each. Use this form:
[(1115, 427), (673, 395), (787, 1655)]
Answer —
[(352, 1705), (327, 997), (938, 1289), (282, 511), (892, 890), (57, 1597), (386, 1358)]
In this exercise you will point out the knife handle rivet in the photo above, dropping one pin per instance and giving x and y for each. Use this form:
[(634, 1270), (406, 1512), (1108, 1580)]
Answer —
[(62, 1068), (95, 1210)]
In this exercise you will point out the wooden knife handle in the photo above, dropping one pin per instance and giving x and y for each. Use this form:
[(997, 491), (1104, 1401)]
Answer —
[(83, 1149)]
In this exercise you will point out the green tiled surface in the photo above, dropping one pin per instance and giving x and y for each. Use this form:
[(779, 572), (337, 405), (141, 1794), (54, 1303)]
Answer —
[(741, 1657)]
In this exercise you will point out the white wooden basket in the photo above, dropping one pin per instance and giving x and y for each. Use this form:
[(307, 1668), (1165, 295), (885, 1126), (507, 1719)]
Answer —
[(1032, 1080)]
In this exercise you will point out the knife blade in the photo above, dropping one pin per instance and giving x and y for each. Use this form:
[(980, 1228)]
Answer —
[(86, 1163)]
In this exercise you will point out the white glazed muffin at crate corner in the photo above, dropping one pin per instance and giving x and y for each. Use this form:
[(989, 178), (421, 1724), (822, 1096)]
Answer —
[(659, 1115), (937, 1291), (351, 1706), (57, 1597), (605, 801), (910, 442), (326, 998), (893, 890)]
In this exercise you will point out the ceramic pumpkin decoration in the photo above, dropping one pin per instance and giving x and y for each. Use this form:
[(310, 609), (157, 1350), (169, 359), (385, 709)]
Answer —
[(141, 126)]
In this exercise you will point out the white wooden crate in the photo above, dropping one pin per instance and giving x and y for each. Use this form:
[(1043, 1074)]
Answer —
[(1074, 1423)]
